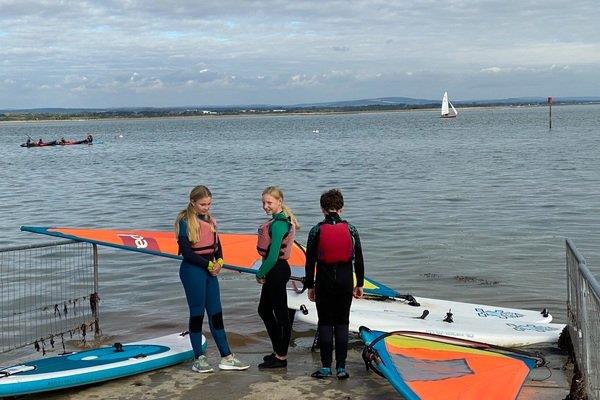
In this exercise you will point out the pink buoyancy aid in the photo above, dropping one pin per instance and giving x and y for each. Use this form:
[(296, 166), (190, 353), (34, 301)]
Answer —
[(336, 244), (207, 237), (264, 240)]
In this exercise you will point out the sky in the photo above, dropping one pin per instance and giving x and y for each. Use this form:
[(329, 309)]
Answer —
[(128, 53)]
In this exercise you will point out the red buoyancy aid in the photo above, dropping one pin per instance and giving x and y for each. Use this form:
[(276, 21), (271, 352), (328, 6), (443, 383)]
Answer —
[(264, 240), (336, 244), (207, 237)]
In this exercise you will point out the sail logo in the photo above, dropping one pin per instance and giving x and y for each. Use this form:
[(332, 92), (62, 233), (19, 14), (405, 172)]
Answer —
[(138, 241), (497, 313), (531, 327)]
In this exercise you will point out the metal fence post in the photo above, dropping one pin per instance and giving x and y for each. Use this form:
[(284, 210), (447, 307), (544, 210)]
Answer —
[(95, 309)]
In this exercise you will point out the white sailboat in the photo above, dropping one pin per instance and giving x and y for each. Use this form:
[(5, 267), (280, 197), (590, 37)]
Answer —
[(446, 111)]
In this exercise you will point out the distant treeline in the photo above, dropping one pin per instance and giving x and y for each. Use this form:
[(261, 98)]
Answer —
[(66, 114)]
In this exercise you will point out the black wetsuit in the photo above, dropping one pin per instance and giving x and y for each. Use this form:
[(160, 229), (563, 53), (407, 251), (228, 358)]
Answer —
[(273, 308), (333, 290)]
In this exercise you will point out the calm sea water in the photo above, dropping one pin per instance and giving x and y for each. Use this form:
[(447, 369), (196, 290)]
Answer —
[(473, 209)]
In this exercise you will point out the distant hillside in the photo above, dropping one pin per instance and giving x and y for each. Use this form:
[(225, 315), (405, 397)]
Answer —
[(376, 104), (381, 101)]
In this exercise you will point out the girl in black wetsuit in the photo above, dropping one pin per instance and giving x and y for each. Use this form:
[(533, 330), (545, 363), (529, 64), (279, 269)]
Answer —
[(275, 241), (333, 246)]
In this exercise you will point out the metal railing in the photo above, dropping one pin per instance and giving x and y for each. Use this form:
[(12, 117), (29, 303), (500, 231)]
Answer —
[(48, 294), (583, 313)]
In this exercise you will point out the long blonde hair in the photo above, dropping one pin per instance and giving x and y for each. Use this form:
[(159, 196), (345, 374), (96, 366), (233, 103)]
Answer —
[(189, 213), (278, 194)]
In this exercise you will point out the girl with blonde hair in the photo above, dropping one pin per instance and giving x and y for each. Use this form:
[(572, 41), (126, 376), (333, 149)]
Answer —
[(198, 240), (275, 241)]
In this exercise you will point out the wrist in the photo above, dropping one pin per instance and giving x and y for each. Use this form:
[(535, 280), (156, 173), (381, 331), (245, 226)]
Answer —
[(220, 261), (211, 266)]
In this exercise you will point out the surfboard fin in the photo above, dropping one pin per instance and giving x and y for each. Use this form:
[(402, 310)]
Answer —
[(410, 298), (424, 315), (449, 318)]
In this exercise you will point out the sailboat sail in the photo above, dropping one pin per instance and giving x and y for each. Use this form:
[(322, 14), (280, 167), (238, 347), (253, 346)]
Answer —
[(239, 249), (448, 110), (429, 368)]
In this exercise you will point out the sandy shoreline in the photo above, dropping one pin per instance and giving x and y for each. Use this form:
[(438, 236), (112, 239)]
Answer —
[(179, 382), (269, 114)]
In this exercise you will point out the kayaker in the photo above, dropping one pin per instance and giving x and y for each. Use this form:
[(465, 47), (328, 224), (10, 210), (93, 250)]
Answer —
[(40, 142), (89, 138), (333, 246), (275, 241), (199, 244)]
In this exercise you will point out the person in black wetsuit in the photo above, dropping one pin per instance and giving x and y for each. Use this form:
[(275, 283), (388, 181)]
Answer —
[(333, 246), (274, 244), (199, 244)]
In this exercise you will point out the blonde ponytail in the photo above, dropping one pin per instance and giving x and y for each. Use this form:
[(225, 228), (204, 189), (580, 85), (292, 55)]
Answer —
[(291, 216)]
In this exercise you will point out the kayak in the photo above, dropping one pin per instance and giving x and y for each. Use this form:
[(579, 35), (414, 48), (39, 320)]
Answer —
[(44, 144), (500, 326), (56, 143), (95, 365)]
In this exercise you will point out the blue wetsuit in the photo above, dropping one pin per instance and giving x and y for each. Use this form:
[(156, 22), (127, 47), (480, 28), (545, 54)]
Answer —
[(202, 292)]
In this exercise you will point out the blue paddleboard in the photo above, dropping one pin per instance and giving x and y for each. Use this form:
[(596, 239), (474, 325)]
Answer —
[(95, 365)]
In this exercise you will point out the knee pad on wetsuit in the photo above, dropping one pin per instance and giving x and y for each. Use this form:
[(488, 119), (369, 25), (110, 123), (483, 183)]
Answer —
[(196, 323), (217, 321)]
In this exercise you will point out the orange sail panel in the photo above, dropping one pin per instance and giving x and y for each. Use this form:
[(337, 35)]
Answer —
[(428, 369), (239, 249)]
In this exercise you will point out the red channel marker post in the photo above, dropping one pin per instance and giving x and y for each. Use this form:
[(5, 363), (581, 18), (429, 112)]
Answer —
[(550, 100)]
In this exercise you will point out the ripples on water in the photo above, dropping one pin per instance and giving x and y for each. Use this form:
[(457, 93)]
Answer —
[(472, 209)]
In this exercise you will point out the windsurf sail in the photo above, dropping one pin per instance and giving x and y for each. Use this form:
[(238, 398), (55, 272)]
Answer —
[(239, 249), (422, 368)]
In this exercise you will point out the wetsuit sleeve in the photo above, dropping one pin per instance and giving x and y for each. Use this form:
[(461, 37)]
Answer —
[(359, 263), (185, 248), (278, 230), (219, 252), (311, 257)]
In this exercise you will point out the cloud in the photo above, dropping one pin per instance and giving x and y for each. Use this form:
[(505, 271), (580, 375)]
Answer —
[(492, 70), (259, 49)]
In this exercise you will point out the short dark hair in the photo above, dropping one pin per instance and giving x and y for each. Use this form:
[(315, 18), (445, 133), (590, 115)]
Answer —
[(332, 200)]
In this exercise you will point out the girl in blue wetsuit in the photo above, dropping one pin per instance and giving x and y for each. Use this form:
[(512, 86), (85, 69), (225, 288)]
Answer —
[(275, 241), (199, 245)]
